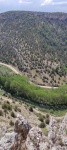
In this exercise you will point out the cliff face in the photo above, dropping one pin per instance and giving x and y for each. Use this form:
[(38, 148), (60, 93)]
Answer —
[(25, 137)]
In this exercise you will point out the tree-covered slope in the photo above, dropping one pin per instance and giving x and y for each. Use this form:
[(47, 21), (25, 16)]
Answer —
[(19, 87), (36, 43)]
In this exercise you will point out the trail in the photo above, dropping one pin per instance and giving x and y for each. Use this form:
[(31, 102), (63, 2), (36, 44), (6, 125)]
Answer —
[(18, 72), (11, 67), (44, 113), (47, 87)]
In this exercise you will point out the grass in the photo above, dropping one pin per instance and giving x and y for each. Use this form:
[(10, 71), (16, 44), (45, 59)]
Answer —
[(2, 92), (57, 113), (45, 131), (6, 71)]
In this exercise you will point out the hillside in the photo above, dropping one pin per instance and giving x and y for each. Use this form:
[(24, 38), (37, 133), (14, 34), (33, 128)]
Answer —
[(37, 44), (21, 101), (19, 86)]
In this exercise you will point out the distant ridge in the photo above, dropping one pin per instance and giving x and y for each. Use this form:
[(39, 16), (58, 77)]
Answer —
[(36, 42)]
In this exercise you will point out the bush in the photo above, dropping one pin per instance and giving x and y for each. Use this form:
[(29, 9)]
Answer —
[(8, 102), (6, 106), (66, 131), (13, 114), (19, 109), (11, 123), (5, 111), (41, 118), (42, 125), (47, 115), (45, 131), (47, 120), (30, 109), (61, 142), (15, 108), (1, 113)]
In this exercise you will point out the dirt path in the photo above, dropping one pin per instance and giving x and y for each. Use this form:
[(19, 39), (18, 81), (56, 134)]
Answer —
[(37, 111), (11, 67), (44, 113), (47, 87), (18, 72)]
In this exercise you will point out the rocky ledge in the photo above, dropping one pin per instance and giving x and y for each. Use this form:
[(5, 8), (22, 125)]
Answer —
[(25, 137)]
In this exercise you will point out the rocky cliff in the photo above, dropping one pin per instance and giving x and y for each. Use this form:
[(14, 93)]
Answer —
[(25, 137)]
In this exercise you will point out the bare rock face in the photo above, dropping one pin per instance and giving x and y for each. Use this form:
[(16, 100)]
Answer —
[(59, 148), (36, 140), (57, 134), (52, 129), (11, 141), (26, 138), (22, 126)]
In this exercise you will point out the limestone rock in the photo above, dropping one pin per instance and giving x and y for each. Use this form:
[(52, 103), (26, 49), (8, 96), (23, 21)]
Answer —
[(52, 129), (36, 140), (22, 126), (11, 141), (26, 138), (59, 148)]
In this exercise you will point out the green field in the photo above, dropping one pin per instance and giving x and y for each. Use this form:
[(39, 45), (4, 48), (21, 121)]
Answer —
[(20, 87)]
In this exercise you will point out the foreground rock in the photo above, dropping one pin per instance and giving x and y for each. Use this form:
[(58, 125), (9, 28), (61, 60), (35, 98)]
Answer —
[(25, 137), (11, 141), (36, 140), (22, 126)]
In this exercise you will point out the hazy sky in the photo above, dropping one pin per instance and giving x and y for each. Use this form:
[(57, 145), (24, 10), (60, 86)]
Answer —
[(34, 5)]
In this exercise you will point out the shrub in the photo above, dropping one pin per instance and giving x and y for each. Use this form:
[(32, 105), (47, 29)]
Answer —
[(47, 120), (15, 108), (60, 142), (41, 118), (11, 123), (19, 109), (45, 131), (47, 115), (1, 113), (13, 114), (66, 131), (13, 101), (30, 109), (42, 125), (6, 106), (5, 111), (8, 102)]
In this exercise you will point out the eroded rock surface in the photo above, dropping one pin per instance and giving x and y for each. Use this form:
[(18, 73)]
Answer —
[(25, 137), (11, 141), (22, 126), (36, 140)]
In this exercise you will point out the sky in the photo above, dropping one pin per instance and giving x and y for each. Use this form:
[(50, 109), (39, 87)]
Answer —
[(34, 5)]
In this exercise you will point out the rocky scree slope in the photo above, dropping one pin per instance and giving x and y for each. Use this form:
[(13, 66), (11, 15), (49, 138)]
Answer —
[(25, 137), (36, 43)]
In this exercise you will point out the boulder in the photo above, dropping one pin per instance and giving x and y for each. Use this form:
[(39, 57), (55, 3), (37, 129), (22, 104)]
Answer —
[(11, 141), (26, 138), (22, 126), (36, 140)]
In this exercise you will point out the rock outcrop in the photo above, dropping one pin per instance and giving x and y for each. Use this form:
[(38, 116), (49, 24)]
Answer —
[(25, 137), (36, 140), (22, 126), (11, 141)]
